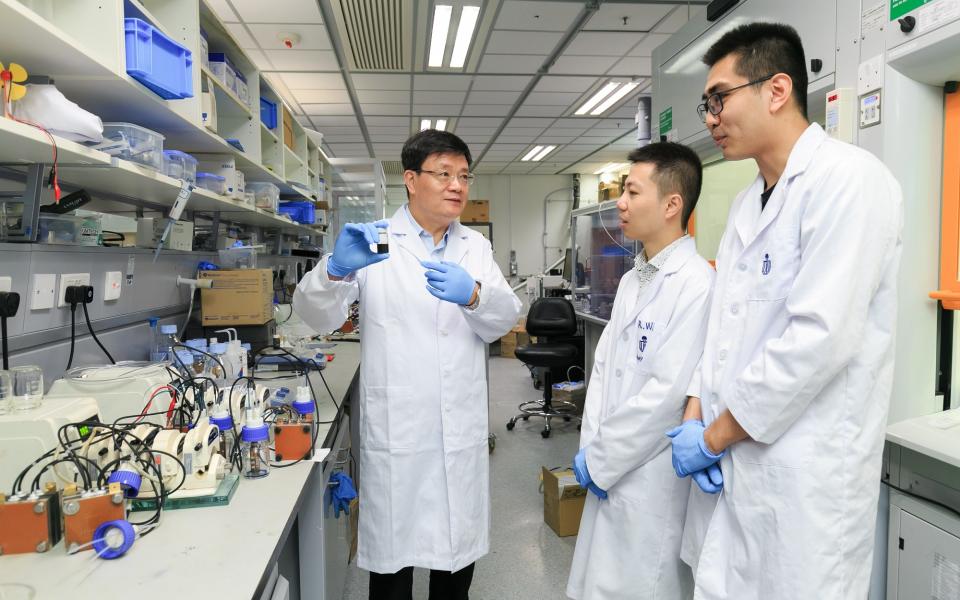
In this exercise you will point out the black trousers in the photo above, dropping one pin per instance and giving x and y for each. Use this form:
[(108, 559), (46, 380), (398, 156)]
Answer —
[(444, 585)]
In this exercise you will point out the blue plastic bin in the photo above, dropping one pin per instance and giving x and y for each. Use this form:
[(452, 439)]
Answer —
[(300, 211), (158, 62), (268, 113)]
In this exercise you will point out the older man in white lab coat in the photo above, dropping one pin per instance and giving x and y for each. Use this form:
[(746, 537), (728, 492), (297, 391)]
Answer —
[(628, 546), (795, 378), (427, 310)]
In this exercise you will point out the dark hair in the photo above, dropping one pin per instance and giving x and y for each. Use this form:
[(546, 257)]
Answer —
[(431, 141), (764, 49), (676, 170)]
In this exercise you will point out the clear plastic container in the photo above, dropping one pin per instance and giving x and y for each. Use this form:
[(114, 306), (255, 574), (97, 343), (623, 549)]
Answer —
[(132, 142), (240, 185), (239, 257), (221, 67), (180, 165), (168, 342), (214, 183), (249, 198), (204, 49), (242, 91), (266, 195), (69, 229)]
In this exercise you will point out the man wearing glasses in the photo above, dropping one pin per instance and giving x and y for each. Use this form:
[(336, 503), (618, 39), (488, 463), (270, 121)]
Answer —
[(795, 380), (427, 310)]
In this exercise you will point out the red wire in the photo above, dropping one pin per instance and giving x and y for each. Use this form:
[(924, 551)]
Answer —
[(7, 90), (157, 392)]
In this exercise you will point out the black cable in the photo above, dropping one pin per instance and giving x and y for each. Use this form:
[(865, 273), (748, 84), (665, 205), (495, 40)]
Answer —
[(93, 334), (918, 496), (3, 335), (73, 333)]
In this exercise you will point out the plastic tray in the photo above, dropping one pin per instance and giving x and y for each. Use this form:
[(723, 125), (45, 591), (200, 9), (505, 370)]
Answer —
[(69, 229), (214, 183), (266, 195), (239, 257), (132, 142), (158, 62), (268, 113), (180, 165)]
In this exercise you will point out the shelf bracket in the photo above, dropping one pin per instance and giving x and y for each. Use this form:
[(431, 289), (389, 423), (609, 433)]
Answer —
[(26, 228)]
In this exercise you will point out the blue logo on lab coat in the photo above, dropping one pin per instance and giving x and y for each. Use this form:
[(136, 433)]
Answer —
[(643, 343), (766, 264)]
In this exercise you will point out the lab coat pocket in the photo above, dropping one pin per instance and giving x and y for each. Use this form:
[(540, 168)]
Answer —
[(389, 418), (775, 269)]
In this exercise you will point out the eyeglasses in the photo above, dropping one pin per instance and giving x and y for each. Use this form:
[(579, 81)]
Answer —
[(714, 102), (444, 177)]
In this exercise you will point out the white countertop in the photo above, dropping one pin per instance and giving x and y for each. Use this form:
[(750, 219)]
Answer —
[(936, 435)]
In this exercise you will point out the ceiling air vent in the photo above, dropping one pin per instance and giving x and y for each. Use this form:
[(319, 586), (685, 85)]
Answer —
[(392, 167), (375, 33)]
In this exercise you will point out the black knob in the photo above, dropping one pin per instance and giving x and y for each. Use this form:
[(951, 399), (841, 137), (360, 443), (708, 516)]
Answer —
[(816, 65), (907, 23)]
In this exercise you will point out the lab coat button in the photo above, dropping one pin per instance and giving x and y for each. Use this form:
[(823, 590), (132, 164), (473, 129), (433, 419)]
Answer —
[(722, 355), (625, 336), (735, 309), (742, 266), (443, 333), (619, 372)]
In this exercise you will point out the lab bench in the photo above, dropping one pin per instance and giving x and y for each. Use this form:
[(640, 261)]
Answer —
[(280, 525)]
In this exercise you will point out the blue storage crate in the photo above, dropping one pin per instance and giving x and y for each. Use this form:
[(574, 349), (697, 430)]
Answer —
[(300, 211), (158, 62), (268, 113)]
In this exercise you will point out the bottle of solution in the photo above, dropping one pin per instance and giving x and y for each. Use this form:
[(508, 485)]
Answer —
[(254, 440), (383, 243), (156, 353), (168, 342)]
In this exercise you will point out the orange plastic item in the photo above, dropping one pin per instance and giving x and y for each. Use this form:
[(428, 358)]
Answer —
[(949, 292)]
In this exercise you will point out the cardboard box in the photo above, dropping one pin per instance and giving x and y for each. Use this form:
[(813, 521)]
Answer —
[(238, 297), (517, 336), (563, 500), (288, 137), (225, 166), (609, 191), (150, 231), (476, 211), (575, 394)]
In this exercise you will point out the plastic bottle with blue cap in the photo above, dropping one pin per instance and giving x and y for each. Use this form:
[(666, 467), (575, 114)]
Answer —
[(168, 342)]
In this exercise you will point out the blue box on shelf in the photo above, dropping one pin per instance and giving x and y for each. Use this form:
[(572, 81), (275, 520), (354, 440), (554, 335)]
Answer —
[(268, 113), (300, 211), (158, 62)]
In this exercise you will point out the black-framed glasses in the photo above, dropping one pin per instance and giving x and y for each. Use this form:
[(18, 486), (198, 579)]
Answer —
[(445, 177), (714, 102)]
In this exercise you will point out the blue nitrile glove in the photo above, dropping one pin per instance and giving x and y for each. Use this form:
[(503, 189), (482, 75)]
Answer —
[(583, 475), (690, 453), (449, 281), (352, 250), (710, 479), (342, 493)]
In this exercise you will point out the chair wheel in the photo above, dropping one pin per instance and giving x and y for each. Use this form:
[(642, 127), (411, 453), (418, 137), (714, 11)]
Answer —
[(510, 425), (545, 433), (526, 417)]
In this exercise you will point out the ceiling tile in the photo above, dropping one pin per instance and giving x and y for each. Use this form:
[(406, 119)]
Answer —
[(343, 121), (270, 36), (376, 121), (537, 16), (596, 43), (259, 59), (368, 81), (313, 81), (484, 110), (241, 35), (580, 123), (437, 97), (540, 111), (334, 138), (556, 83), (321, 96), (648, 43), (546, 138), (614, 124), (500, 83), (385, 109), (479, 121), (303, 60), (223, 10), (632, 66), (675, 20), (552, 98), (502, 97), (582, 64), (440, 83), (510, 63), (436, 110), (527, 132), (639, 17), (507, 138), (383, 96), (396, 129), (387, 150), (324, 110), (343, 150), (475, 131), (524, 42), (287, 11), (530, 122)]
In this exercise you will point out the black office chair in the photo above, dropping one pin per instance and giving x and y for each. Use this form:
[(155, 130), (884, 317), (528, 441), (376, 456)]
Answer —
[(549, 318)]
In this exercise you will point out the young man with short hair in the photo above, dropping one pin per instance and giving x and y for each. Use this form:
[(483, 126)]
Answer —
[(796, 374), (629, 541)]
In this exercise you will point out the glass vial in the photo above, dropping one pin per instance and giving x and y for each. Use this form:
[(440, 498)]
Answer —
[(383, 243)]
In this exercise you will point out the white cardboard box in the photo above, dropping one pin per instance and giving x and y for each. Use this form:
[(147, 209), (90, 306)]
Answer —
[(150, 230)]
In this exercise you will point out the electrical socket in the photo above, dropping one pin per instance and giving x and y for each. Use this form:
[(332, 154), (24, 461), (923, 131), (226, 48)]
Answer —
[(6, 284), (66, 280)]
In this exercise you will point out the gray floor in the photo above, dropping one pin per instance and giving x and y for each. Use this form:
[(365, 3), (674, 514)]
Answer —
[(527, 559)]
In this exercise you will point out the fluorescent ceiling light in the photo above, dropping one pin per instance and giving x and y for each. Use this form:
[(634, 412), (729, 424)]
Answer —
[(545, 152), (610, 168), (441, 124), (596, 98), (468, 21), (529, 155), (614, 98), (424, 124), (438, 41)]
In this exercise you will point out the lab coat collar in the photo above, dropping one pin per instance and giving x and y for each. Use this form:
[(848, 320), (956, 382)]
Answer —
[(403, 233), (751, 220), (686, 250)]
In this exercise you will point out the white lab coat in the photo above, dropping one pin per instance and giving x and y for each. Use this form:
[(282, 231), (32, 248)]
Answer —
[(800, 347), (628, 546), (423, 454)]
